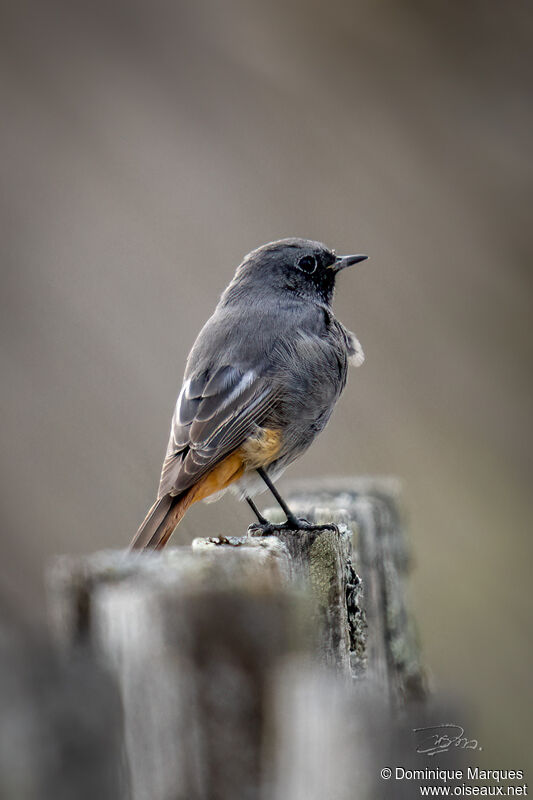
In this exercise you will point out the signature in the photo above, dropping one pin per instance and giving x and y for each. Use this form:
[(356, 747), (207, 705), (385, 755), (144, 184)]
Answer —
[(440, 738)]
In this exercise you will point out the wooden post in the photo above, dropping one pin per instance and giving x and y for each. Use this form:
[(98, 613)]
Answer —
[(318, 566), (191, 635), (383, 645), (60, 721), (201, 640)]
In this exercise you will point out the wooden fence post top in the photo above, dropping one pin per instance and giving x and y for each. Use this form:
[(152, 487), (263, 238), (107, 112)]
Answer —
[(200, 640)]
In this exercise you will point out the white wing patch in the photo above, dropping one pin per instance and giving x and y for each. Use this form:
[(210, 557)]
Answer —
[(247, 379), (214, 414), (181, 396), (189, 400), (356, 355)]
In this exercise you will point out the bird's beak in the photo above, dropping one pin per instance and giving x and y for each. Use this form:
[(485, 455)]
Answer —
[(341, 262)]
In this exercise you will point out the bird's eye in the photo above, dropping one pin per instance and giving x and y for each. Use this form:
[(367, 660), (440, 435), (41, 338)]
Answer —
[(307, 264)]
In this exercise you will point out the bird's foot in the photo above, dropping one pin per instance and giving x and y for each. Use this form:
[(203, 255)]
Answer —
[(267, 528), (293, 524)]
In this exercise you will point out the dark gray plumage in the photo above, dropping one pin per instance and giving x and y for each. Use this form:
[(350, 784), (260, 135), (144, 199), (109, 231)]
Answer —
[(272, 357)]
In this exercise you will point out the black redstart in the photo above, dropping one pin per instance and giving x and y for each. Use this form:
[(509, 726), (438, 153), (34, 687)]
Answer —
[(260, 383)]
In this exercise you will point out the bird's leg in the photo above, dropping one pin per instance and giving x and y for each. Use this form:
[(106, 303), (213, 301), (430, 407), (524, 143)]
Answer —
[(291, 519), (260, 517), (293, 523)]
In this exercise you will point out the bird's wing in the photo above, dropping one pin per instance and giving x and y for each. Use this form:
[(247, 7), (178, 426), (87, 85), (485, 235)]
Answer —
[(215, 413)]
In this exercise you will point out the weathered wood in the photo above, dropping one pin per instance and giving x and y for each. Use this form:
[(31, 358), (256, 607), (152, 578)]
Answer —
[(191, 635), (203, 643), (317, 753), (333, 737), (318, 566), (73, 582), (60, 723), (384, 645)]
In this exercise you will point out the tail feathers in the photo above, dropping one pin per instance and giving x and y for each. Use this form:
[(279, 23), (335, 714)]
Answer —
[(167, 511), (160, 522)]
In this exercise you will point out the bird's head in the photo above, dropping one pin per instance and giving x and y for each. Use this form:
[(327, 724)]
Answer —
[(301, 267)]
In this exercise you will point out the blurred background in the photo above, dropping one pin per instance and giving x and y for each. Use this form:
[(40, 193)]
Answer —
[(146, 147)]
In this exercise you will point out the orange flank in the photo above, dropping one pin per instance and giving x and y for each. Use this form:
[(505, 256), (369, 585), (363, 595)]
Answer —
[(228, 471), (262, 450), (257, 451)]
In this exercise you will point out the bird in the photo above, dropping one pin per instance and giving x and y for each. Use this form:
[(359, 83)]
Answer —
[(260, 383)]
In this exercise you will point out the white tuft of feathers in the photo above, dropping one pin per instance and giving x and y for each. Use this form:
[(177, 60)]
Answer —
[(357, 356)]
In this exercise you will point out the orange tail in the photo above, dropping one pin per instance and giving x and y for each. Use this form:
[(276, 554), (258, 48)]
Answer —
[(167, 512)]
